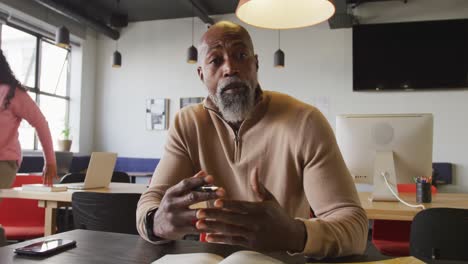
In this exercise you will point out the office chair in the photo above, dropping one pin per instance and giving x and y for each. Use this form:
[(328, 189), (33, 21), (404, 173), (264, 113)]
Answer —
[(440, 234), (64, 216), (22, 219), (2, 237), (391, 237), (73, 177), (110, 212), (117, 176), (64, 160), (120, 176)]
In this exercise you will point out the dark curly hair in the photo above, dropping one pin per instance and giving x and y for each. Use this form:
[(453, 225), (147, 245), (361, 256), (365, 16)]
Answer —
[(7, 77)]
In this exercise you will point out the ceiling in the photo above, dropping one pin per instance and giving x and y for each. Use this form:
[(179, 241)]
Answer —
[(143, 10), (96, 13)]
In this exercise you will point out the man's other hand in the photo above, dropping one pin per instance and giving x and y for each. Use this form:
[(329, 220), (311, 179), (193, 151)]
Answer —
[(260, 225), (173, 219)]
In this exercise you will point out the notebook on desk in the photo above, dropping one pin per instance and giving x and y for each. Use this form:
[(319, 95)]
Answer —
[(99, 173), (37, 187)]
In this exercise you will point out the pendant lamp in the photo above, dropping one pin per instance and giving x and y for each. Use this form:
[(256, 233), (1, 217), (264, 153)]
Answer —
[(284, 14), (62, 37), (279, 54), (192, 53), (116, 59), (116, 56)]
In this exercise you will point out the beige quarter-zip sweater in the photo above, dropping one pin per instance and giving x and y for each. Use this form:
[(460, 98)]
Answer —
[(299, 163)]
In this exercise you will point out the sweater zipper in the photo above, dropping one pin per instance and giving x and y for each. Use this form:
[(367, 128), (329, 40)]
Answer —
[(237, 150), (237, 143)]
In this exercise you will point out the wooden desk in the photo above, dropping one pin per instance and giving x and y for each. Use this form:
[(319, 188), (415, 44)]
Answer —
[(399, 211), (115, 248), (52, 200)]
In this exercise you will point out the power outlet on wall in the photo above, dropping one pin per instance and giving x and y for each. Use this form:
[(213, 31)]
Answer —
[(361, 179)]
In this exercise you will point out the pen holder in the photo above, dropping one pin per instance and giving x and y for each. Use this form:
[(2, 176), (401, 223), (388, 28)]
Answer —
[(423, 192)]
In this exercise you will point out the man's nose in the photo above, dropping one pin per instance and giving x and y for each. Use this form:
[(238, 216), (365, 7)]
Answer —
[(230, 68)]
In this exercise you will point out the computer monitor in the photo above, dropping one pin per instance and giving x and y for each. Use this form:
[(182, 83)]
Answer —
[(398, 146)]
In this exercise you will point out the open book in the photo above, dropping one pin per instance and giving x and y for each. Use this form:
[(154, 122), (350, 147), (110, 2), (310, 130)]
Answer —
[(245, 256), (402, 260), (251, 257)]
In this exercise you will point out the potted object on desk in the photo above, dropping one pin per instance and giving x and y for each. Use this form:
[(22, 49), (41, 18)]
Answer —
[(64, 144)]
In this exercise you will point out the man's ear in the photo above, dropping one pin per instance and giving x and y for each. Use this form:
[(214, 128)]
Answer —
[(256, 61), (200, 73)]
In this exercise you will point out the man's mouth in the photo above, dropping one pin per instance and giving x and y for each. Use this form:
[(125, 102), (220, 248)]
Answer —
[(234, 88)]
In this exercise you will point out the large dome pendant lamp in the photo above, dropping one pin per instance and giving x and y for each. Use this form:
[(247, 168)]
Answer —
[(284, 14)]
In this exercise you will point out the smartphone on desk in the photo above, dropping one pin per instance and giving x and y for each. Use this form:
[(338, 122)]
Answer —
[(46, 248)]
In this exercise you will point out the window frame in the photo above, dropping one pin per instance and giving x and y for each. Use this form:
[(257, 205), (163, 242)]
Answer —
[(37, 89)]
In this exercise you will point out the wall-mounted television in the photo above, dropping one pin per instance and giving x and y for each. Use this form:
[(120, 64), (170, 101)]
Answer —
[(411, 56)]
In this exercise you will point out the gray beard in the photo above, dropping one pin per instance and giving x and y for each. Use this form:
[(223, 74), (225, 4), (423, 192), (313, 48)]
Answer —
[(234, 107)]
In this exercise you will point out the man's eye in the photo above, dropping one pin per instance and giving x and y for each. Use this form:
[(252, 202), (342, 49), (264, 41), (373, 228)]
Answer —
[(215, 61), (242, 55)]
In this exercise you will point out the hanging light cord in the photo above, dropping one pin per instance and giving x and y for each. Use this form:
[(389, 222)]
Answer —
[(279, 39), (117, 4), (193, 22), (61, 71)]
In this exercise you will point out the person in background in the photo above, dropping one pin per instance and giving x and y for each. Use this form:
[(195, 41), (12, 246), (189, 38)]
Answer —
[(16, 105), (273, 156)]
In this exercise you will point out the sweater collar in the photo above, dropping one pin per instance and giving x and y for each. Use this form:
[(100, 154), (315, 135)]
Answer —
[(261, 104)]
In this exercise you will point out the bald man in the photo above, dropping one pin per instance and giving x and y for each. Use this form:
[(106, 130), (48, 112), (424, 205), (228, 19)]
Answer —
[(273, 157)]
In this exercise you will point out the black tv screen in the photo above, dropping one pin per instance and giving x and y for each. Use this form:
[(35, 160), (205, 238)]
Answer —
[(411, 56)]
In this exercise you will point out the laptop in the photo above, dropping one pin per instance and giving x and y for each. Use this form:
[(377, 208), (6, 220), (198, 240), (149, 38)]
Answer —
[(99, 173)]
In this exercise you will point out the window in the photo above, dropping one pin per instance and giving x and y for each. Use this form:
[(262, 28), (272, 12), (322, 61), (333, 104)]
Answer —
[(20, 51), (43, 69)]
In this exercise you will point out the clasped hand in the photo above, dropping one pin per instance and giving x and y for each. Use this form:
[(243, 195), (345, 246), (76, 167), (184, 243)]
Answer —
[(174, 219), (262, 225)]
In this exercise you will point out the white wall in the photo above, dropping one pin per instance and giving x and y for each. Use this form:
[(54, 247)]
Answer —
[(82, 94), (153, 55), (318, 66)]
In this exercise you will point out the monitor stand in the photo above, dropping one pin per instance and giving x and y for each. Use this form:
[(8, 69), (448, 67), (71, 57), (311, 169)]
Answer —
[(384, 165)]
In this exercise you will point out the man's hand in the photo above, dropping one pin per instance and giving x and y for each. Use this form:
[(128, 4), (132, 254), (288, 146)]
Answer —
[(173, 219), (259, 225), (49, 174)]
